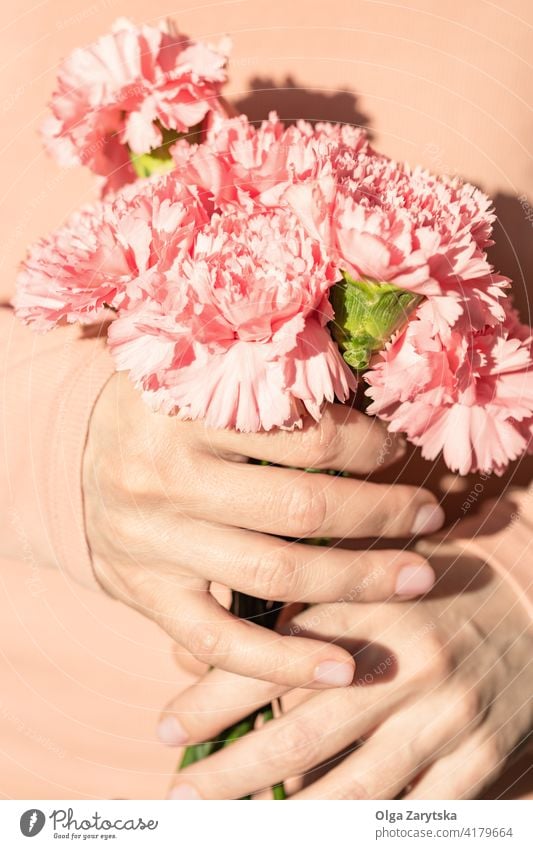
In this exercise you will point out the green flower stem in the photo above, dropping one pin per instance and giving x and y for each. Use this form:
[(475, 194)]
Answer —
[(278, 790), (199, 751), (265, 613)]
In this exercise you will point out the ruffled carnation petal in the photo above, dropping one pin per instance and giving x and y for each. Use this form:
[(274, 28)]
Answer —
[(467, 395), (120, 90), (243, 313), (106, 254)]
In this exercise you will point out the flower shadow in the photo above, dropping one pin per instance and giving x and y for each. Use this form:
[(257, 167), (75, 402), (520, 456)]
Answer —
[(293, 101)]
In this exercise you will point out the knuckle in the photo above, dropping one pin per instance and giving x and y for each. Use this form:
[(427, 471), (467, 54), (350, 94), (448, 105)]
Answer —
[(410, 752), (395, 511), (138, 535), (127, 528), (381, 517), (148, 593), (440, 662), (398, 509), (297, 743), (468, 706), (490, 755), (370, 580), (132, 478), (352, 790), (276, 574), (204, 641), (306, 508), (433, 660), (321, 441)]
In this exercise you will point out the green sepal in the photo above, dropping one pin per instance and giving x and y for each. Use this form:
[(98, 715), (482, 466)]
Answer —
[(159, 160), (367, 314)]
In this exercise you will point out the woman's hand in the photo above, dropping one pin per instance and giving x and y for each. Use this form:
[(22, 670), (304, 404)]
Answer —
[(441, 699), (171, 507)]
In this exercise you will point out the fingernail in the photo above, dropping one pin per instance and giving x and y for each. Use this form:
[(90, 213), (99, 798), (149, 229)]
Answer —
[(183, 791), (429, 518), (415, 580), (171, 732), (334, 674)]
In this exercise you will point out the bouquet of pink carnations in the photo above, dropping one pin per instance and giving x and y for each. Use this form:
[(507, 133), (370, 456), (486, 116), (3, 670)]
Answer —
[(270, 270)]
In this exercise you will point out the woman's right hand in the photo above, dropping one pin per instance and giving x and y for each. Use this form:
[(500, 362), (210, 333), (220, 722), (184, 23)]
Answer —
[(172, 506)]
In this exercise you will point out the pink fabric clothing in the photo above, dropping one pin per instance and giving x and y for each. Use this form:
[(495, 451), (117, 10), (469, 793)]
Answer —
[(83, 677), (50, 384)]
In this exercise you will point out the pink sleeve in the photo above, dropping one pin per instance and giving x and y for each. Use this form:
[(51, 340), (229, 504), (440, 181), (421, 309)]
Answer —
[(49, 385)]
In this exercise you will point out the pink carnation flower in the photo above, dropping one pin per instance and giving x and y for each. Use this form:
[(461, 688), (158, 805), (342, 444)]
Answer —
[(117, 94), (239, 161), (104, 253), (467, 395), (236, 334), (220, 275), (427, 234)]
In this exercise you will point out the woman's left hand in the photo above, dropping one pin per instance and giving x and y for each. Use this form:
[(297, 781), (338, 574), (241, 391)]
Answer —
[(440, 702)]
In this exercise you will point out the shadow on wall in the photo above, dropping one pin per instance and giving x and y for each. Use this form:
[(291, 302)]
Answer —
[(511, 255), (292, 101)]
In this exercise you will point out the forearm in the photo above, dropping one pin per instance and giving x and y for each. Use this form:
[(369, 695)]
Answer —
[(49, 387)]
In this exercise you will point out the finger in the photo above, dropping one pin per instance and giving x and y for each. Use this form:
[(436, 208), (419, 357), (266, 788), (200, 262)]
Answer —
[(382, 766), (271, 568), (215, 637), (219, 699), (344, 439), (215, 702), (288, 746), (187, 663), (462, 774), (298, 504)]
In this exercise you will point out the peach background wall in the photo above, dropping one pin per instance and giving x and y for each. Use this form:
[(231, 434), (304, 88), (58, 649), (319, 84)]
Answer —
[(447, 84)]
